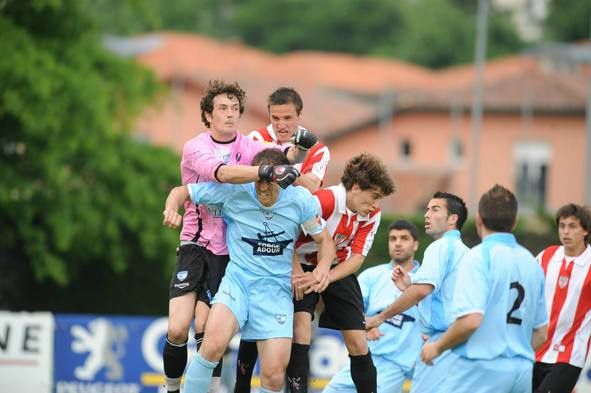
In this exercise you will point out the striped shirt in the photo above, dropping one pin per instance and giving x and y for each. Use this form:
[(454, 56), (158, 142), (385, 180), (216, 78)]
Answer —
[(352, 233), (568, 300), (316, 160)]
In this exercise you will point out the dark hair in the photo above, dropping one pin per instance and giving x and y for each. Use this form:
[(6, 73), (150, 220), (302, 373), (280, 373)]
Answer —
[(368, 172), (455, 205), (579, 212), (270, 156), (498, 209), (401, 225), (214, 89), (286, 95)]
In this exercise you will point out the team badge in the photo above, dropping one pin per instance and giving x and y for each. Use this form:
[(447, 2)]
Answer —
[(182, 275), (280, 318), (339, 238), (268, 214), (562, 281)]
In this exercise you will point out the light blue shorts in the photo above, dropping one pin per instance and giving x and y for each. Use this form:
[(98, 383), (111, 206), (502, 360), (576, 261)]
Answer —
[(502, 375), (262, 305), (428, 379), (390, 378)]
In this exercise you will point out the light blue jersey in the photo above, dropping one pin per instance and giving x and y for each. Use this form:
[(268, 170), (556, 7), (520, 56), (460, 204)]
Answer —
[(439, 268), (394, 354), (260, 239), (501, 280), (402, 339)]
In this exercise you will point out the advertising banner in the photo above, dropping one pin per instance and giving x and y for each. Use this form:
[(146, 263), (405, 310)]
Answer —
[(26, 352)]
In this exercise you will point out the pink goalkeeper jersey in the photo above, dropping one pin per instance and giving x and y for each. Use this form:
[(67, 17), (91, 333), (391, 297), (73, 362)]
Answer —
[(202, 156)]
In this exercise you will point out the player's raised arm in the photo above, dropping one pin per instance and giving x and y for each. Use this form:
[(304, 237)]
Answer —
[(176, 198)]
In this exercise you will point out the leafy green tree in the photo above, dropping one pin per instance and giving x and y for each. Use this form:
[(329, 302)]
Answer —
[(568, 20), (80, 200), (434, 33)]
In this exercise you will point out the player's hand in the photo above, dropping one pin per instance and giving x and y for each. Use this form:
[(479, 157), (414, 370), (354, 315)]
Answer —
[(373, 322), (322, 275), (303, 139), (373, 334), (305, 282), (400, 278), (283, 175), (297, 292), (430, 352), (172, 219)]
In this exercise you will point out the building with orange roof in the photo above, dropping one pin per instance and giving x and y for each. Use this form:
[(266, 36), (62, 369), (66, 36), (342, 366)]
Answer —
[(417, 120)]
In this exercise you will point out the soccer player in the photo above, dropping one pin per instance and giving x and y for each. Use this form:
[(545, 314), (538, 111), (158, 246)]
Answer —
[(221, 155), (568, 296), (433, 284), (285, 113), (352, 214), (498, 307), (395, 345), (254, 296)]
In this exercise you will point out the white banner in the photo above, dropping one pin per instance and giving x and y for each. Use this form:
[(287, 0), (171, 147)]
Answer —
[(26, 352)]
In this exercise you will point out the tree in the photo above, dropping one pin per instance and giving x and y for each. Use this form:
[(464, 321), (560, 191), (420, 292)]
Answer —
[(434, 33), (568, 20), (80, 200)]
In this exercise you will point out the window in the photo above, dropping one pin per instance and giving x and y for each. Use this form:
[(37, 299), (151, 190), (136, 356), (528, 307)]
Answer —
[(405, 150), (456, 151), (531, 160)]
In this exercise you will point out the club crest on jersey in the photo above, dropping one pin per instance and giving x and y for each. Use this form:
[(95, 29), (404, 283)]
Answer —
[(562, 281), (280, 318), (267, 243), (182, 275), (267, 213), (340, 238)]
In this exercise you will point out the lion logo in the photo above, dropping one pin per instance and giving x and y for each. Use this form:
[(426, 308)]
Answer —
[(105, 344)]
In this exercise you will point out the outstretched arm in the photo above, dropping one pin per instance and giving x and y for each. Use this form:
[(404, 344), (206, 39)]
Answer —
[(414, 294), (458, 332), (176, 198)]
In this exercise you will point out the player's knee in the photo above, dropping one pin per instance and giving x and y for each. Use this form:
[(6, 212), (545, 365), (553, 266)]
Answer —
[(272, 378), (356, 345), (177, 332), (212, 349)]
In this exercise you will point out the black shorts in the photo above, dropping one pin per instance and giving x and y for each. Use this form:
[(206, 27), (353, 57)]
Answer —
[(197, 270), (343, 304), (558, 377)]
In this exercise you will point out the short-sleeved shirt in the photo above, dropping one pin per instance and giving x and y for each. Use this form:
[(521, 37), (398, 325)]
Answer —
[(316, 159), (402, 339), (261, 239), (202, 156), (568, 302), (439, 268), (351, 232), (502, 281)]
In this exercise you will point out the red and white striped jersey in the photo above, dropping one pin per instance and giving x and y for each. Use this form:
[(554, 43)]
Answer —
[(352, 234), (568, 300), (315, 162)]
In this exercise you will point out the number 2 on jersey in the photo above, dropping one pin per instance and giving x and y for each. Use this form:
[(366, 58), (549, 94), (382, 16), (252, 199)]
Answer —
[(520, 296)]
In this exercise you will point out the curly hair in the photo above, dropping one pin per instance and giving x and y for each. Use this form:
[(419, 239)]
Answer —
[(215, 88), (369, 173)]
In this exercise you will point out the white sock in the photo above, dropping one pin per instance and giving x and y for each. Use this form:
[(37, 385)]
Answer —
[(173, 384), (214, 385)]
